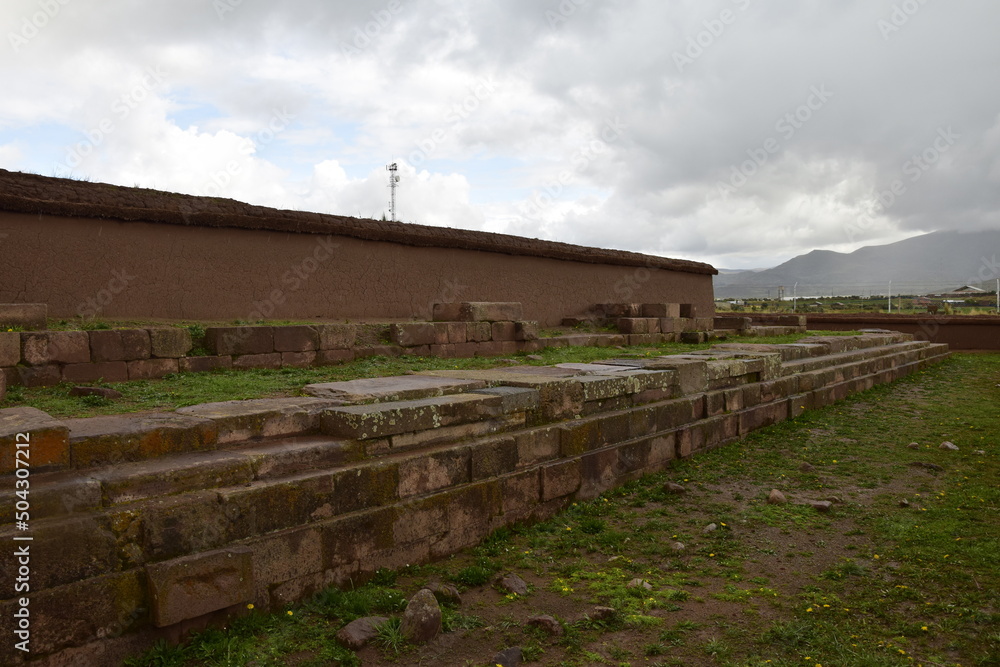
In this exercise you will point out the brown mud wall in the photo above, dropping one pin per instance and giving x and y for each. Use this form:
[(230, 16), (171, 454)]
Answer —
[(960, 332), (116, 269)]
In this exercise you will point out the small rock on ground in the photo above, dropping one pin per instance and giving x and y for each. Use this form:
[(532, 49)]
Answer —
[(904, 503), (547, 623), (913, 445), (510, 657), (710, 528), (422, 618), (678, 546), (636, 583), (981, 452), (358, 633), (776, 498), (806, 467), (514, 584), (949, 446), (821, 505), (95, 391), (535, 357), (929, 466), (671, 487)]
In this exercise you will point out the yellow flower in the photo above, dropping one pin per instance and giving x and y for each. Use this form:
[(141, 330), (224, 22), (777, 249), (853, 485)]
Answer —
[(875, 556), (809, 610), (924, 628), (289, 613), (250, 606)]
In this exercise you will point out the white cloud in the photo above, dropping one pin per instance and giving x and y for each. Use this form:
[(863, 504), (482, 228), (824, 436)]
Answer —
[(491, 106)]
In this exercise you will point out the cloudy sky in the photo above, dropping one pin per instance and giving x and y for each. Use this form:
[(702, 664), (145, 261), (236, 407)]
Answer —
[(737, 132)]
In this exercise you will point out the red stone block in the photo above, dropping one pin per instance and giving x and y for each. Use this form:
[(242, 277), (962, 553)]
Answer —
[(192, 586), (378, 351), (415, 333), (39, 376), (10, 348), (478, 332), (456, 332), (150, 369), (239, 340), (298, 359), (525, 330), (688, 310), (465, 350), (336, 336), (295, 339), (69, 347), (446, 351), (108, 371), (501, 331), (333, 357), (633, 325), (169, 342), (35, 348), (135, 344), (488, 349), (272, 360), (106, 346), (203, 364)]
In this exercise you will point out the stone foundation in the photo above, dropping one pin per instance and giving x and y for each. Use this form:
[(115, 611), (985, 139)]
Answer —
[(148, 526)]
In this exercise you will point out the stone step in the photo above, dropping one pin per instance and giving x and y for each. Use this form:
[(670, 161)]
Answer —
[(385, 389)]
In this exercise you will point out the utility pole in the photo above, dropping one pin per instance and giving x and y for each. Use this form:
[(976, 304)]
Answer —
[(890, 297)]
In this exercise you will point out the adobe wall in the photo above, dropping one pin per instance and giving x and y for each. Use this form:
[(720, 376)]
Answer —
[(960, 332), (102, 250), (268, 501)]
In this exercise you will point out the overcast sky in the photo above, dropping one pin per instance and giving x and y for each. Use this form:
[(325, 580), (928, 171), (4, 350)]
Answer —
[(736, 132)]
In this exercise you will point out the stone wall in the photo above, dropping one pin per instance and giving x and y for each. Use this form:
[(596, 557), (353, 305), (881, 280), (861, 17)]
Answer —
[(267, 501), (45, 358)]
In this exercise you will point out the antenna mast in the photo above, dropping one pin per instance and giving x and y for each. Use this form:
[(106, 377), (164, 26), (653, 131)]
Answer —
[(393, 180)]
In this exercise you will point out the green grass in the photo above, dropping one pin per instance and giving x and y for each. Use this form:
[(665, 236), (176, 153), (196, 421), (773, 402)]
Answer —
[(183, 389)]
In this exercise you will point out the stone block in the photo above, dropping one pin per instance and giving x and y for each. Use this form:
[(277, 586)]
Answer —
[(513, 399), (271, 360), (10, 348), (385, 389), (295, 339), (537, 445), (413, 334), (598, 473), (28, 316), (693, 337), (35, 348), (48, 439), (170, 342), (457, 332), (116, 439), (64, 550), (106, 346), (633, 325), (669, 325), (108, 371), (446, 351), (521, 494), (298, 359), (285, 556), (128, 482), (203, 364), (239, 340), (385, 419), (135, 344), (3, 387), (237, 421), (59, 496), (493, 458), (333, 357), (69, 347), (425, 473), (191, 586), (449, 434), (477, 311), (688, 310), (466, 350), (503, 331), (525, 330), (377, 351), (646, 339), (762, 415), (336, 336), (39, 376), (151, 369), (478, 332)]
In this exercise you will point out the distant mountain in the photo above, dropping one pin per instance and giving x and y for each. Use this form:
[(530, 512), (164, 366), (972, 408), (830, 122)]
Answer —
[(919, 265)]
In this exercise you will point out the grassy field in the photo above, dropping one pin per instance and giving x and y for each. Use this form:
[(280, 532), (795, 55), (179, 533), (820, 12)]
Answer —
[(902, 571), (182, 389)]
